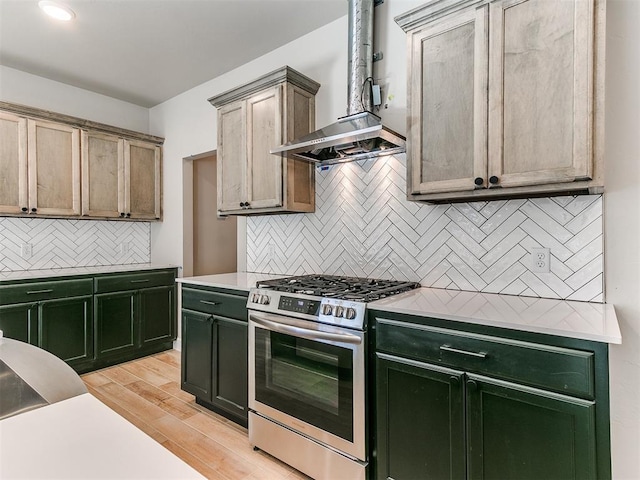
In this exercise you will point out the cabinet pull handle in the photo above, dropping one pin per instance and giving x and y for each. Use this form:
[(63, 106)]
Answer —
[(34, 292), (206, 302), (448, 348), (140, 281)]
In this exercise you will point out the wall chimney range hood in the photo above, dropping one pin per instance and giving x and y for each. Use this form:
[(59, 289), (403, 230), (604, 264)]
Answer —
[(360, 135)]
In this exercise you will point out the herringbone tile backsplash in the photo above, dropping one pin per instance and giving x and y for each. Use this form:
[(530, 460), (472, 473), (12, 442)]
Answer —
[(71, 243), (364, 226)]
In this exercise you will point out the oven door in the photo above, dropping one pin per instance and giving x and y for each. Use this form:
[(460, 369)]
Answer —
[(309, 377)]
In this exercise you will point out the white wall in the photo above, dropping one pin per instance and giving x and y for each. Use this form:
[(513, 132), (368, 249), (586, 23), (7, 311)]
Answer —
[(622, 228), (33, 91)]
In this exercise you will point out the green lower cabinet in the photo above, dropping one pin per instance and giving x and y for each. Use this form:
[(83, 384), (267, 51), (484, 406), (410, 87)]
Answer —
[(517, 432), (214, 363), (196, 364), (157, 307), (420, 421), (229, 388), (66, 328), (115, 324), (20, 322)]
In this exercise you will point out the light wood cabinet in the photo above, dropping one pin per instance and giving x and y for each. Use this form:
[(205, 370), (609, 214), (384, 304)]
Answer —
[(60, 166), (53, 154), (505, 98), (252, 119), (13, 164)]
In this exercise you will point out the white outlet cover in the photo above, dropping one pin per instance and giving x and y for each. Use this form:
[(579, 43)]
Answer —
[(540, 260)]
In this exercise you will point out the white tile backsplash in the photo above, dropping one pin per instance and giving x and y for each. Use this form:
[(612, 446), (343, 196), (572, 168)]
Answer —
[(58, 243), (364, 226)]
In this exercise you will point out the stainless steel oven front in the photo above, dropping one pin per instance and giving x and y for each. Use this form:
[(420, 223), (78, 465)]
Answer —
[(310, 378)]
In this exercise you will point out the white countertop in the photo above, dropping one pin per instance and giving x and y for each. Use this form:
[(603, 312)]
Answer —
[(81, 438), (69, 272), (237, 280), (583, 320)]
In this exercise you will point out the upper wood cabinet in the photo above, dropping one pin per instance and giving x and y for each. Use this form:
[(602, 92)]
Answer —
[(252, 119), (52, 166), (13, 164), (505, 98), (53, 154)]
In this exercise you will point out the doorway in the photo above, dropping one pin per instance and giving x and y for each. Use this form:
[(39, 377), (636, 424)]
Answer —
[(211, 242)]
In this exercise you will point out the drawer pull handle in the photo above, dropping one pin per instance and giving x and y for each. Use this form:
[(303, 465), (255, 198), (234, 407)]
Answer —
[(206, 302), (140, 281), (34, 292), (447, 348)]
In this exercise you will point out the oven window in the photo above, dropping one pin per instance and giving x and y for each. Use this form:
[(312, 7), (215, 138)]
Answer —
[(307, 379)]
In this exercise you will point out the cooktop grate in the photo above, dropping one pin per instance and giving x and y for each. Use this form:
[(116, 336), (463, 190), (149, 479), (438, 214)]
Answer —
[(343, 288)]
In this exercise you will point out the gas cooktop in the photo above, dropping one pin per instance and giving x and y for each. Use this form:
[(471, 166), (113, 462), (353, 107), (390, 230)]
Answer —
[(342, 288)]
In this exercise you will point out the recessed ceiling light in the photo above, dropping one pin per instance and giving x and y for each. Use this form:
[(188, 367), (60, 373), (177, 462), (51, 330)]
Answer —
[(57, 10)]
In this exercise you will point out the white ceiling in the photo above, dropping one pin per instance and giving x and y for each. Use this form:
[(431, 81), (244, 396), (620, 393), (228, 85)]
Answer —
[(147, 51)]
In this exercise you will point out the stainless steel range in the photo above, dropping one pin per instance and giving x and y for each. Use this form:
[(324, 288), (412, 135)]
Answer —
[(307, 370)]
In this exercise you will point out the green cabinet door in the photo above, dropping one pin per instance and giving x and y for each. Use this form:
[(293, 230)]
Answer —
[(20, 322), (230, 358), (517, 432), (420, 420), (115, 324), (157, 315), (66, 328), (197, 348)]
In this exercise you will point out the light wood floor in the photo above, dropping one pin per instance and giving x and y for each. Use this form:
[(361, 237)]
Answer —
[(147, 393)]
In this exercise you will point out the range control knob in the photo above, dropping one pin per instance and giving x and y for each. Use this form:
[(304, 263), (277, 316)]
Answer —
[(264, 300), (255, 298), (350, 313), (327, 309), (339, 312)]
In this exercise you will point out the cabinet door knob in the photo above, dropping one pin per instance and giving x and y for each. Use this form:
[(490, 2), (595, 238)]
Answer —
[(25, 209), (242, 204), (128, 215), (34, 210), (479, 181), (122, 214), (493, 180), (246, 204)]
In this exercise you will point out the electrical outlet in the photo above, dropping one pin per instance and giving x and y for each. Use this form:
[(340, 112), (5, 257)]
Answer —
[(540, 260), (26, 250)]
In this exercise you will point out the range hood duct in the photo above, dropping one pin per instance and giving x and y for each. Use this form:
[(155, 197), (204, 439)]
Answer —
[(360, 135)]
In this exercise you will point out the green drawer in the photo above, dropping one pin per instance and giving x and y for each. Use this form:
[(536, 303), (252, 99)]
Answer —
[(133, 281), (217, 303), (553, 368), (36, 291)]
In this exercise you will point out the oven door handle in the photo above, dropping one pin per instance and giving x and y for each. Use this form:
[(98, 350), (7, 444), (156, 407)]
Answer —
[(304, 332)]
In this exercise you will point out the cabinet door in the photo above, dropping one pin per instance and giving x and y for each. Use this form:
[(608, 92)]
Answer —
[(115, 324), (541, 91), (66, 328), (54, 168), (102, 175), (230, 357), (197, 347), (299, 119), (529, 434), (13, 163), (20, 322), (420, 420), (157, 317), (232, 156), (142, 177), (448, 104), (264, 132)]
